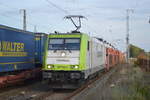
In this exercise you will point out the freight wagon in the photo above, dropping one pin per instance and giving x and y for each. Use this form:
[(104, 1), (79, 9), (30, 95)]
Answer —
[(113, 56), (17, 55), (40, 40)]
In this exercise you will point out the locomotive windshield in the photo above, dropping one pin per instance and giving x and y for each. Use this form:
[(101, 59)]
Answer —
[(64, 44)]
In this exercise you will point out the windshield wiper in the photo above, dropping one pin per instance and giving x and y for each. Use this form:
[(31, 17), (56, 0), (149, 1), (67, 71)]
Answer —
[(67, 49), (55, 51)]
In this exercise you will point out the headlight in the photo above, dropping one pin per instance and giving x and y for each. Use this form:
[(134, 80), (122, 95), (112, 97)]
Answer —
[(63, 54), (76, 67), (49, 66)]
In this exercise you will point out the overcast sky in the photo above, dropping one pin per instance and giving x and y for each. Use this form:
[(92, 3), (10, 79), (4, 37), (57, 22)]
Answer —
[(106, 18)]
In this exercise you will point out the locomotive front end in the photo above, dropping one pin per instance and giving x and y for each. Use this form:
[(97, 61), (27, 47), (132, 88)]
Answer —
[(62, 58)]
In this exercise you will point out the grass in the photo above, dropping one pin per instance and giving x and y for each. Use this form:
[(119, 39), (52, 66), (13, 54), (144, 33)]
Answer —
[(135, 85)]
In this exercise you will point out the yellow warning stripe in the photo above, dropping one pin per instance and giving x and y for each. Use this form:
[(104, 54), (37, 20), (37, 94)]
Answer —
[(14, 54), (15, 63)]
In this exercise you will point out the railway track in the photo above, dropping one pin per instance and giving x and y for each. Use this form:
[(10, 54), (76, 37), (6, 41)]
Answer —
[(92, 83), (41, 91)]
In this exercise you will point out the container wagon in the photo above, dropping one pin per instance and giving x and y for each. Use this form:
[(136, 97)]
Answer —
[(113, 56), (17, 55), (40, 40)]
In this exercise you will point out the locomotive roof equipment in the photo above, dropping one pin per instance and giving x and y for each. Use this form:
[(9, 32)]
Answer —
[(72, 17)]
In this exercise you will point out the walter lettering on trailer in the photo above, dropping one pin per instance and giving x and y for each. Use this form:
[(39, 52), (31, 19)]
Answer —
[(12, 49)]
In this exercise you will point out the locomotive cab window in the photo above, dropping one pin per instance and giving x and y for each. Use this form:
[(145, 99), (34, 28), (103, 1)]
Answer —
[(56, 41), (64, 44), (72, 44)]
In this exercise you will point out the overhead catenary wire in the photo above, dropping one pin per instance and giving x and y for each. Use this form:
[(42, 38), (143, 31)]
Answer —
[(50, 3), (43, 26), (65, 11), (58, 7)]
